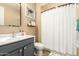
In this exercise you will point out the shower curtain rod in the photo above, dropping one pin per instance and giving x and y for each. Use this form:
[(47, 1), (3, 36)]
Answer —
[(57, 6), (65, 4)]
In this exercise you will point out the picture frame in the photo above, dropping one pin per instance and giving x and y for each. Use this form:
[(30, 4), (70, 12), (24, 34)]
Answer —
[(30, 13)]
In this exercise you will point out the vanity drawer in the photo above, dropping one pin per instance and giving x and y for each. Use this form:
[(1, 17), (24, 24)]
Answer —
[(14, 46)]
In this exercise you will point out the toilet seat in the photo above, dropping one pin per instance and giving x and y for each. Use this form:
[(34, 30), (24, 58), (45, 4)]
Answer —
[(39, 46)]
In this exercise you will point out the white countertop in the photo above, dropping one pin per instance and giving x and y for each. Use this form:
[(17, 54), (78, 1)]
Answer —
[(15, 39)]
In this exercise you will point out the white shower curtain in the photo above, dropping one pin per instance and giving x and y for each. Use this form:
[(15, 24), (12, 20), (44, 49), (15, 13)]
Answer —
[(58, 29)]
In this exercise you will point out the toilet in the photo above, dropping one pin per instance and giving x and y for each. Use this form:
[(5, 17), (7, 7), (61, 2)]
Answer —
[(39, 47)]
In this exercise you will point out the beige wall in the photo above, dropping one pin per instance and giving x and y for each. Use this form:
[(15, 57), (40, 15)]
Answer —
[(28, 30), (7, 29), (38, 22)]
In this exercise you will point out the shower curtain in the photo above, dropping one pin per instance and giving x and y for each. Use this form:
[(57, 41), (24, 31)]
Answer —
[(58, 29)]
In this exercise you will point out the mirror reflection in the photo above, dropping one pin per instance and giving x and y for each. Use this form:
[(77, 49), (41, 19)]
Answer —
[(10, 14)]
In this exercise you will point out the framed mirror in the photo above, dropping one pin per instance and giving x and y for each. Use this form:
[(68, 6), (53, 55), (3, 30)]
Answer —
[(10, 14)]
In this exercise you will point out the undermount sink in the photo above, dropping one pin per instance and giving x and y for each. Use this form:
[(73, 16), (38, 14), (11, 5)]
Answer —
[(11, 37), (3, 39)]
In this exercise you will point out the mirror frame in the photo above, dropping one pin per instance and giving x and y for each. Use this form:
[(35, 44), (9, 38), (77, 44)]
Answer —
[(20, 19), (20, 14)]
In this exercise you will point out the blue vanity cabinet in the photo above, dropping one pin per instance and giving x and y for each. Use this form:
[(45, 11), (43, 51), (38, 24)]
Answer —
[(14, 53), (18, 48)]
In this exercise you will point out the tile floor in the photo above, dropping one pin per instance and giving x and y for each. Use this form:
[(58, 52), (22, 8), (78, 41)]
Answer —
[(52, 53)]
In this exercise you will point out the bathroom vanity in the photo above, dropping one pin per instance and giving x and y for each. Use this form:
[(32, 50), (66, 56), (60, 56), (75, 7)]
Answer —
[(18, 46)]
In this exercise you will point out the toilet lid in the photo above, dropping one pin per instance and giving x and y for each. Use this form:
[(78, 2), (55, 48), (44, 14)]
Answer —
[(39, 45)]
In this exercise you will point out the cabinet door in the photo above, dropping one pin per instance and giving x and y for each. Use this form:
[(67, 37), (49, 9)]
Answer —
[(29, 50), (15, 53)]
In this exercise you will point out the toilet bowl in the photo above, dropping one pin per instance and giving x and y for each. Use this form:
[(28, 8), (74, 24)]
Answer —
[(39, 47)]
